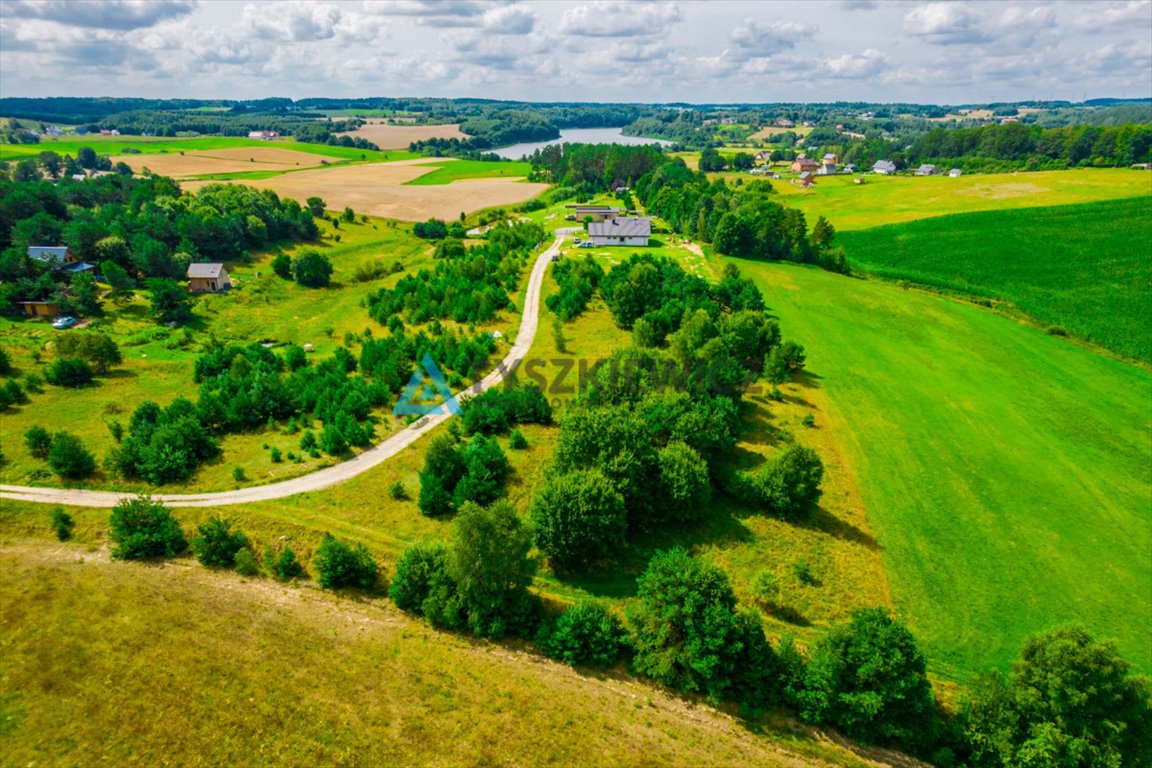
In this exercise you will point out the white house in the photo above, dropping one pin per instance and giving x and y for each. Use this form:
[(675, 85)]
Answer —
[(621, 231), (52, 255), (208, 278), (926, 170), (955, 173), (884, 167), (827, 166)]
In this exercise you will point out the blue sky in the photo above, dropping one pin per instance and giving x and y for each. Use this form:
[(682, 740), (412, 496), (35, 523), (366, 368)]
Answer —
[(600, 50)]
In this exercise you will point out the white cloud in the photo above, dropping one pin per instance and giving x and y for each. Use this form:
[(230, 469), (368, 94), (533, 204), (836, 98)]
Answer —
[(615, 18), (1104, 17), (510, 20), (100, 14), (855, 66), (303, 21), (945, 24), (758, 39)]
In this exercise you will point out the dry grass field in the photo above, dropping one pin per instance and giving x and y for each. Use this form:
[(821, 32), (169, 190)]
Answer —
[(400, 136), (235, 160), (378, 189), (775, 130)]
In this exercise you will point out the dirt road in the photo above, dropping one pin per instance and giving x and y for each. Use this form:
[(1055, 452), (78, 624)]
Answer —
[(323, 478)]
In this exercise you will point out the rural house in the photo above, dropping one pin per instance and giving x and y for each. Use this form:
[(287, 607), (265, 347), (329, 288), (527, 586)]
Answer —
[(807, 180), (955, 173), (804, 165), (208, 278), (621, 231), (263, 135), (926, 170), (884, 167), (593, 212), (40, 308), (827, 166), (57, 257)]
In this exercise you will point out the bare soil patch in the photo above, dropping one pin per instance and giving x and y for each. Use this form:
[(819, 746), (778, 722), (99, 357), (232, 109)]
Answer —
[(378, 189), (400, 136), (233, 160)]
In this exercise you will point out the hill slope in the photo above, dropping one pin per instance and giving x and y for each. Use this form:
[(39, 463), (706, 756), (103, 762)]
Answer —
[(1005, 472), (176, 664), (1082, 267)]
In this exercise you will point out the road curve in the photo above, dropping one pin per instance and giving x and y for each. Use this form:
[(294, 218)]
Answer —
[(338, 473)]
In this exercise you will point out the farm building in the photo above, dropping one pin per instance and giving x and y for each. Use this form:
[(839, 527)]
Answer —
[(804, 164), (807, 180), (827, 166), (850, 168), (208, 278), (263, 135), (594, 212), (955, 173), (621, 231), (926, 170), (884, 167), (40, 308)]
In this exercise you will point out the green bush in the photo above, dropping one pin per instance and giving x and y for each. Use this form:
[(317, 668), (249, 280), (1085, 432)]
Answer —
[(579, 519), (282, 265), (238, 474), (587, 634), (341, 565), (312, 269), (517, 441), (142, 528), (62, 524), (786, 486), (246, 564), (69, 372), (283, 565), (69, 458), (421, 569), (397, 491), (38, 440), (684, 483), (217, 544)]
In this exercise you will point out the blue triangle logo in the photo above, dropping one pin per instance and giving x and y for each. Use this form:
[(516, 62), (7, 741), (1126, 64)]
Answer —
[(426, 386)]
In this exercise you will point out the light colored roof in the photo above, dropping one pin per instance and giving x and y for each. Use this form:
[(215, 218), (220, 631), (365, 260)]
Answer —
[(205, 270), (598, 208), (885, 165), (639, 226), (48, 252)]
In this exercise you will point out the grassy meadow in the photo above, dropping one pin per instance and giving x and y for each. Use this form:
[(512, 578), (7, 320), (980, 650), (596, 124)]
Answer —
[(153, 145), (282, 675), (1057, 265), (1003, 470), (455, 170), (896, 199)]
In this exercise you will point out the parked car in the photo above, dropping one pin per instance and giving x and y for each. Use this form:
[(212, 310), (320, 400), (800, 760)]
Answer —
[(586, 244), (555, 258), (65, 321)]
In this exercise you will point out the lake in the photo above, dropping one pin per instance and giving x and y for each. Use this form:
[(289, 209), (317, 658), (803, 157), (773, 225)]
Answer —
[(576, 136)]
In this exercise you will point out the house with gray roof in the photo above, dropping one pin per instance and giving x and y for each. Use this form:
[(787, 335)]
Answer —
[(208, 278), (633, 230), (884, 167)]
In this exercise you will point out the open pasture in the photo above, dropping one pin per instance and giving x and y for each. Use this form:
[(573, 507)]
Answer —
[(1057, 265), (156, 145), (381, 189), (896, 199), (400, 136), (1004, 471)]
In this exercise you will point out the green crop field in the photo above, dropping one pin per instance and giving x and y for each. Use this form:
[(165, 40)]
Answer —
[(153, 145), (895, 199), (1058, 265), (1004, 471), (456, 170)]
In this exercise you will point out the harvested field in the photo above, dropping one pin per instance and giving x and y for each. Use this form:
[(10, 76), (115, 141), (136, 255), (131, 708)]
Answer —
[(400, 136), (235, 160), (379, 189)]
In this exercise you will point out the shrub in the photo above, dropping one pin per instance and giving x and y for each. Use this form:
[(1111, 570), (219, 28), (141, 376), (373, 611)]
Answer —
[(38, 440), (312, 269), (275, 455), (684, 484), (587, 634), (217, 544), (97, 349), (69, 458), (282, 265), (868, 679), (69, 372), (809, 420), (283, 565), (420, 569), (342, 565), (246, 564), (11, 393), (579, 519), (141, 528), (238, 474), (517, 441), (62, 524), (308, 440), (786, 486), (765, 586), (803, 572), (397, 491)]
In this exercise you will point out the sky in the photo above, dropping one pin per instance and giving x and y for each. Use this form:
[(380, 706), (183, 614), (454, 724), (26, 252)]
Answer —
[(719, 51)]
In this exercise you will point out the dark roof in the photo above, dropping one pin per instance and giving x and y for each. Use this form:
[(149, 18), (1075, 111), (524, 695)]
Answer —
[(205, 270), (597, 208), (640, 226)]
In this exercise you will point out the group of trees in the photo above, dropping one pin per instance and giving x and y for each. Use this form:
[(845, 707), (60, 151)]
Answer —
[(309, 268), (594, 167), (1016, 145), (437, 229), (467, 285), (577, 280), (135, 229), (456, 473), (64, 452)]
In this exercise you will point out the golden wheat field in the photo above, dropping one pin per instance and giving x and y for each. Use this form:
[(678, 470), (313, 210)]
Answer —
[(400, 136)]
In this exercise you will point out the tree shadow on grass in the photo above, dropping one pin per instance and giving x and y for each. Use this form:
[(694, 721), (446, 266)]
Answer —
[(820, 519), (808, 379)]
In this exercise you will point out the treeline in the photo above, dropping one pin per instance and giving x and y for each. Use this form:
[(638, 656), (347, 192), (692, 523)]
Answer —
[(594, 167), (739, 219), (467, 285), (1015, 145), (492, 129)]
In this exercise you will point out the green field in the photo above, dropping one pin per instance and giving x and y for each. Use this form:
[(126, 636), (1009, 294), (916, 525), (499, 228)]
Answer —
[(456, 170), (896, 199), (153, 145), (1057, 265), (1004, 471)]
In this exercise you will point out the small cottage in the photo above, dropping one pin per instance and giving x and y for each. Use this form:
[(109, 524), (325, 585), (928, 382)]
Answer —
[(208, 278)]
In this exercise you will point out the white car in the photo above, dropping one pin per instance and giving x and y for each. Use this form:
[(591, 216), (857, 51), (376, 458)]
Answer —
[(66, 321)]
